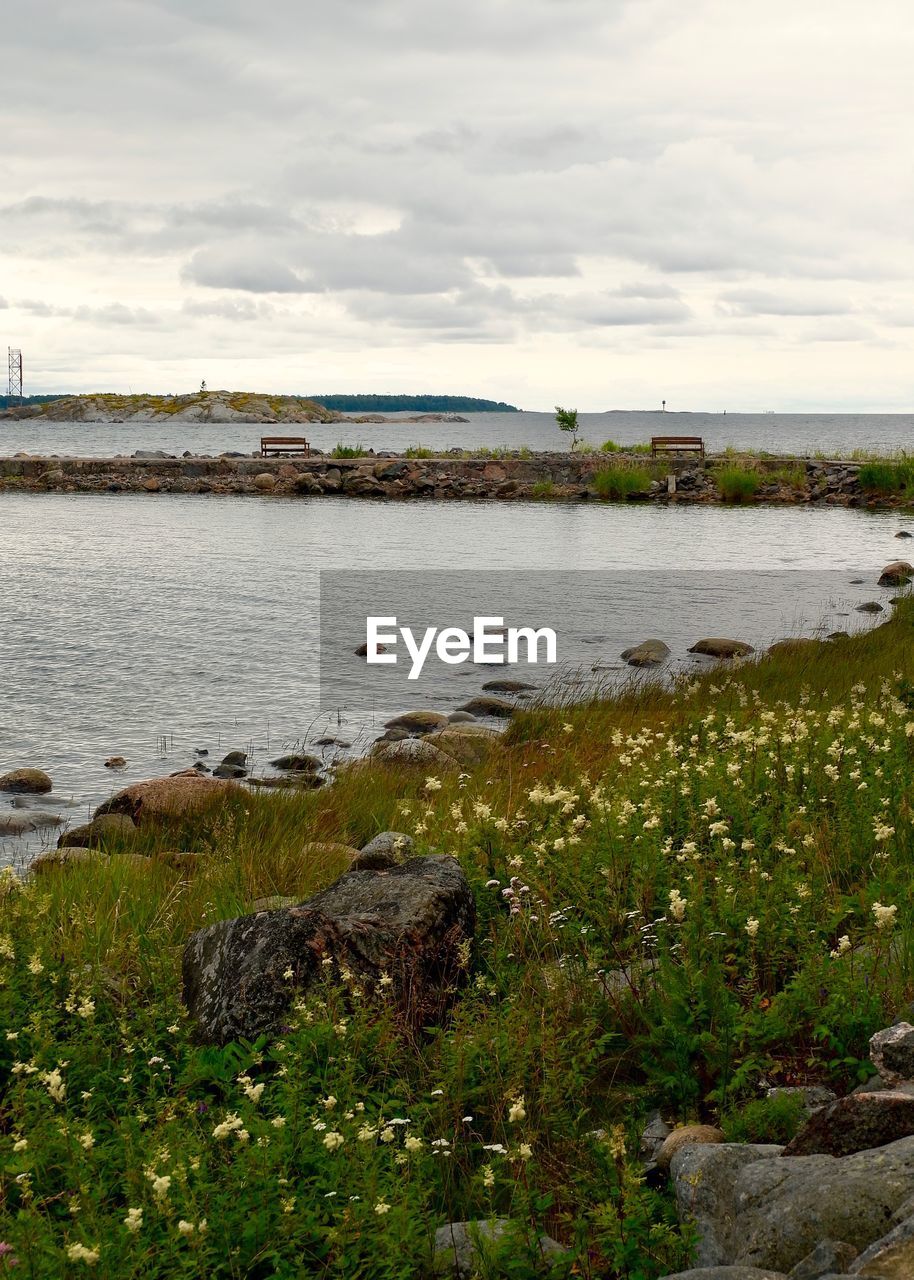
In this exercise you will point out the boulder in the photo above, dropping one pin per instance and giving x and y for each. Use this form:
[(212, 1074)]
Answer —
[(179, 860), (265, 481), (299, 762), (461, 1248), (686, 1135), (897, 574), (362, 650), (461, 717), (61, 859), (411, 922), (466, 743), (396, 843), (417, 721), (892, 1053), (15, 824), (716, 647), (115, 762), (98, 832), (418, 752), (236, 771), (649, 653), (828, 1257), (753, 1207), (159, 799), (859, 1122), (903, 533), (795, 644), (31, 781), (507, 686), (871, 606), (891, 1257), (235, 757), (483, 705)]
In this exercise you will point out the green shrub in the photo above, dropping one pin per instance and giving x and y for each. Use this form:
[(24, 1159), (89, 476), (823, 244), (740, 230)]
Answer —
[(774, 1119), (347, 451), (419, 451), (542, 489), (887, 477), (737, 484), (616, 483)]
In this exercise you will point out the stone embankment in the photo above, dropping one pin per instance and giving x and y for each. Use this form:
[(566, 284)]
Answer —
[(536, 476)]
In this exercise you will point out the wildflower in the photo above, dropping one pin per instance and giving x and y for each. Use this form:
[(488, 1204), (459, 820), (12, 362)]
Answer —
[(288, 973), (387, 1134), (54, 1083), (524, 1151), (80, 1253), (86, 1007), (413, 1144), (333, 1140), (185, 1228), (432, 784), (885, 916), (517, 1111), (488, 1176), (752, 926), (86, 1141), (160, 1184), (36, 967), (844, 945), (678, 905), (254, 1091), (21, 1144), (134, 1220), (231, 1124), (381, 1207)]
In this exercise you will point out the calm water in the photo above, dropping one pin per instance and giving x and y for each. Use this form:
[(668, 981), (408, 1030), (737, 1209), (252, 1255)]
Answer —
[(802, 434), (149, 628)]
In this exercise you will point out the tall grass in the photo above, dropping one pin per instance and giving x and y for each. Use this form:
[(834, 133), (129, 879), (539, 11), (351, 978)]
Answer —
[(617, 483), (888, 477), (737, 484)]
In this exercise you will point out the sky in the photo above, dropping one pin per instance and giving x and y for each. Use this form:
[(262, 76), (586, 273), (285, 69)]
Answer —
[(599, 203)]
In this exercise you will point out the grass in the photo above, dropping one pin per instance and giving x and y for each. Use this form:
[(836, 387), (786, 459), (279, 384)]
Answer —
[(888, 477), (542, 489), (740, 843), (340, 450), (737, 484), (610, 446), (617, 482)]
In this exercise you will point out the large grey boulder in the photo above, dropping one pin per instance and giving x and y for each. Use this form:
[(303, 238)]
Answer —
[(649, 653), (891, 1257), (411, 922), (828, 1258), (718, 647), (26, 781), (99, 832), (754, 1209)]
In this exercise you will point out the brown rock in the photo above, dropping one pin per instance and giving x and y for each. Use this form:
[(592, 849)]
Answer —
[(265, 481), (716, 647), (417, 721), (31, 781), (100, 831), (859, 1122), (687, 1135), (115, 762), (488, 706), (163, 798), (465, 743), (896, 574)]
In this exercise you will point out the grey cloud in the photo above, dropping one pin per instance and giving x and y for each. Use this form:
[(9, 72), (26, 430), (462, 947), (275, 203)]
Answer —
[(247, 269), (760, 302)]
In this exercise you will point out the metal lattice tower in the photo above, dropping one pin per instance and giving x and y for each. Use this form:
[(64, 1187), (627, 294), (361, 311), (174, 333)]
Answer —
[(14, 386)]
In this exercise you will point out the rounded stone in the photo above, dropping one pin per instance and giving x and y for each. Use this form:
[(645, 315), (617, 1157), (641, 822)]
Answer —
[(687, 1135), (265, 481), (31, 781)]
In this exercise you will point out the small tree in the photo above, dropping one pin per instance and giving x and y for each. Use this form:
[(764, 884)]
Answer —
[(568, 421), (203, 388)]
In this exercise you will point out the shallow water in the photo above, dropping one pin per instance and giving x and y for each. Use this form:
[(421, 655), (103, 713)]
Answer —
[(803, 434), (150, 628)]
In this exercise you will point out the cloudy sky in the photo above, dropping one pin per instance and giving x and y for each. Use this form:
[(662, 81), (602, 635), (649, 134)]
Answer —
[(599, 202)]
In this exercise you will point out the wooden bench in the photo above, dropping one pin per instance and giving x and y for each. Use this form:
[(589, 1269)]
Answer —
[(284, 444), (677, 444)]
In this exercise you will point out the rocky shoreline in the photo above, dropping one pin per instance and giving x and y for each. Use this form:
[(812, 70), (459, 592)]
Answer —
[(540, 476)]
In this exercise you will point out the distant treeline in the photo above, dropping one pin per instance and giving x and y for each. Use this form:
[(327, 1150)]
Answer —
[(419, 404), (7, 402)]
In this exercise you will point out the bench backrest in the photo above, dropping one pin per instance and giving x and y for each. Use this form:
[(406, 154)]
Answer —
[(694, 441), (267, 440)]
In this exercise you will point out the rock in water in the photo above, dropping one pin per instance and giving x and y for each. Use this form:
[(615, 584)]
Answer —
[(31, 781), (896, 574), (717, 647), (412, 922), (163, 798), (649, 653)]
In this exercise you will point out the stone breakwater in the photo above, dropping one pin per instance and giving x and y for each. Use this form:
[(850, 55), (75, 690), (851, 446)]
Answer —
[(538, 476)]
